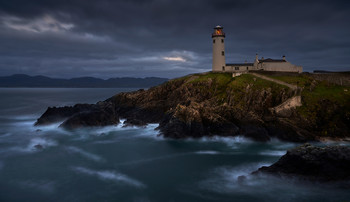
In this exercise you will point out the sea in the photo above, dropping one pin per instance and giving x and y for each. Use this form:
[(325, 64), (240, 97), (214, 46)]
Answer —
[(117, 163)]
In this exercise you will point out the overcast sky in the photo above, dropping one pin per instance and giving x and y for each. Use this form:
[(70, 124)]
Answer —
[(167, 38)]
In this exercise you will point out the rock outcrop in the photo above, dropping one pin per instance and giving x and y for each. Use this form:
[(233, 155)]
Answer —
[(307, 162), (214, 104), (55, 114)]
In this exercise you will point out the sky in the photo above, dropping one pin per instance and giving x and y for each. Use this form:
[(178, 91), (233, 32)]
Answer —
[(167, 38)]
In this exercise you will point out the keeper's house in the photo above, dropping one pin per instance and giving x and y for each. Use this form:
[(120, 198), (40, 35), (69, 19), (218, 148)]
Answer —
[(219, 64)]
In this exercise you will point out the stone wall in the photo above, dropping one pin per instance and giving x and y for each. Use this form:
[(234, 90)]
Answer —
[(280, 66), (342, 79)]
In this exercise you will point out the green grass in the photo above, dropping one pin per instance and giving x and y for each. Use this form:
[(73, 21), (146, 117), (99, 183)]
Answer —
[(220, 78), (299, 80), (324, 91), (312, 94), (224, 84), (324, 104), (220, 84)]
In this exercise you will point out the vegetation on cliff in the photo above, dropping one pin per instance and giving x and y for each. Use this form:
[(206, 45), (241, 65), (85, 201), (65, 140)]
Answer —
[(325, 105), (217, 104)]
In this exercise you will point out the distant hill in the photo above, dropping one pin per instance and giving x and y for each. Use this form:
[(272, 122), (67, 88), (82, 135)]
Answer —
[(23, 80)]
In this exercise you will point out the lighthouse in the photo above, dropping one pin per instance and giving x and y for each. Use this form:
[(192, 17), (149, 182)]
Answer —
[(218, 49)]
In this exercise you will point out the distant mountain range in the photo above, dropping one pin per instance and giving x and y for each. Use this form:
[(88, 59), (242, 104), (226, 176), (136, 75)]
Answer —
[(23, 80)]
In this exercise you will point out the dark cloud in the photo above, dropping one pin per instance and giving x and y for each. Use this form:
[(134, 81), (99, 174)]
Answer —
[(166, 37)]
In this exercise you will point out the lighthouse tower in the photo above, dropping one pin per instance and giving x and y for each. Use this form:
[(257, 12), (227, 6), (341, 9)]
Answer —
[(218, 49)]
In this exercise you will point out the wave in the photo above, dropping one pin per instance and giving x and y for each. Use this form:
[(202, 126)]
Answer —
[(118, 131), (150, 132), (232, 142), (42, 185), (153, 159), (22, 117), (283, 145), (50, 127), (110, 176), (85, 154), (24, 125), (34, 145), (105, 142), (20, 124), (43, 142), (273, 153), (227, 179), (5, 135), (234, 139), (208, 152)]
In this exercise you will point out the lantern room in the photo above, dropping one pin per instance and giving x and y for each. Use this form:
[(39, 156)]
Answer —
[(218, 32)]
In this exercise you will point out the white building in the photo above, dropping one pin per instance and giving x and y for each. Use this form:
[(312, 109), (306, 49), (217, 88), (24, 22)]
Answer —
[(219, 64)]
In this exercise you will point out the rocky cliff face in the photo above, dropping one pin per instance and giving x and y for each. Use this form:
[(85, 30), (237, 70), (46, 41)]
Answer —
[(205, 105), (307, 162)]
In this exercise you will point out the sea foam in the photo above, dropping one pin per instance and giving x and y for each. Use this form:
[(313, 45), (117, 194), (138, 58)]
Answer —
[(273, 153), (226, 179), (85, 154), (208, 152), (110, 176)]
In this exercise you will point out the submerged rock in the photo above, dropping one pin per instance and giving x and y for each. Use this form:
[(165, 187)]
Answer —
[(307, 162), (38, 147), (134, 122)]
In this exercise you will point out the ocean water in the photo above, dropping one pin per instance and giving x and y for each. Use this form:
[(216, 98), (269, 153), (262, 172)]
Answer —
[(118, 163)]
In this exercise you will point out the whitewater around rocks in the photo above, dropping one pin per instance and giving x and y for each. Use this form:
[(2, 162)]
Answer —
[(117, 163)]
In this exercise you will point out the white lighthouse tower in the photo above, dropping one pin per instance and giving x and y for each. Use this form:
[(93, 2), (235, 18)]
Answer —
[(218, 49)]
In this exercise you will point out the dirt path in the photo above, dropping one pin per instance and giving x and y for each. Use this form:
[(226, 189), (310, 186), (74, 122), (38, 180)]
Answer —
[(294, 87), (284, 108)]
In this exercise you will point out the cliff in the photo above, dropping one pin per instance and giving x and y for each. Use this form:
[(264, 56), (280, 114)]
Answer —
[(217, 104), (307, 162)]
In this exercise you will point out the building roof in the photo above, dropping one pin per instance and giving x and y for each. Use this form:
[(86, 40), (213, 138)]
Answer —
[(240, 64), (271, 60)]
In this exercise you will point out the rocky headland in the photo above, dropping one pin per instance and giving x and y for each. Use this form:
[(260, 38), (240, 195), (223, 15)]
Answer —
[(312, 163), (211, 104)]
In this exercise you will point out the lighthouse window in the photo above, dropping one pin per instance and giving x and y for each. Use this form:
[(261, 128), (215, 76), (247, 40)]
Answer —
[(222, 53), (222, 41), (214, 41)]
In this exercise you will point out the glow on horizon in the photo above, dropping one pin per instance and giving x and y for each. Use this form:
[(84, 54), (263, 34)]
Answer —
[(178, 59)]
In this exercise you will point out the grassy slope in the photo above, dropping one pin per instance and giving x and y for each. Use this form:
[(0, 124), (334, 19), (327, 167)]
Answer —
[(318, 90), (313, 91), (314, 94), (224, 84), (323, 103)]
